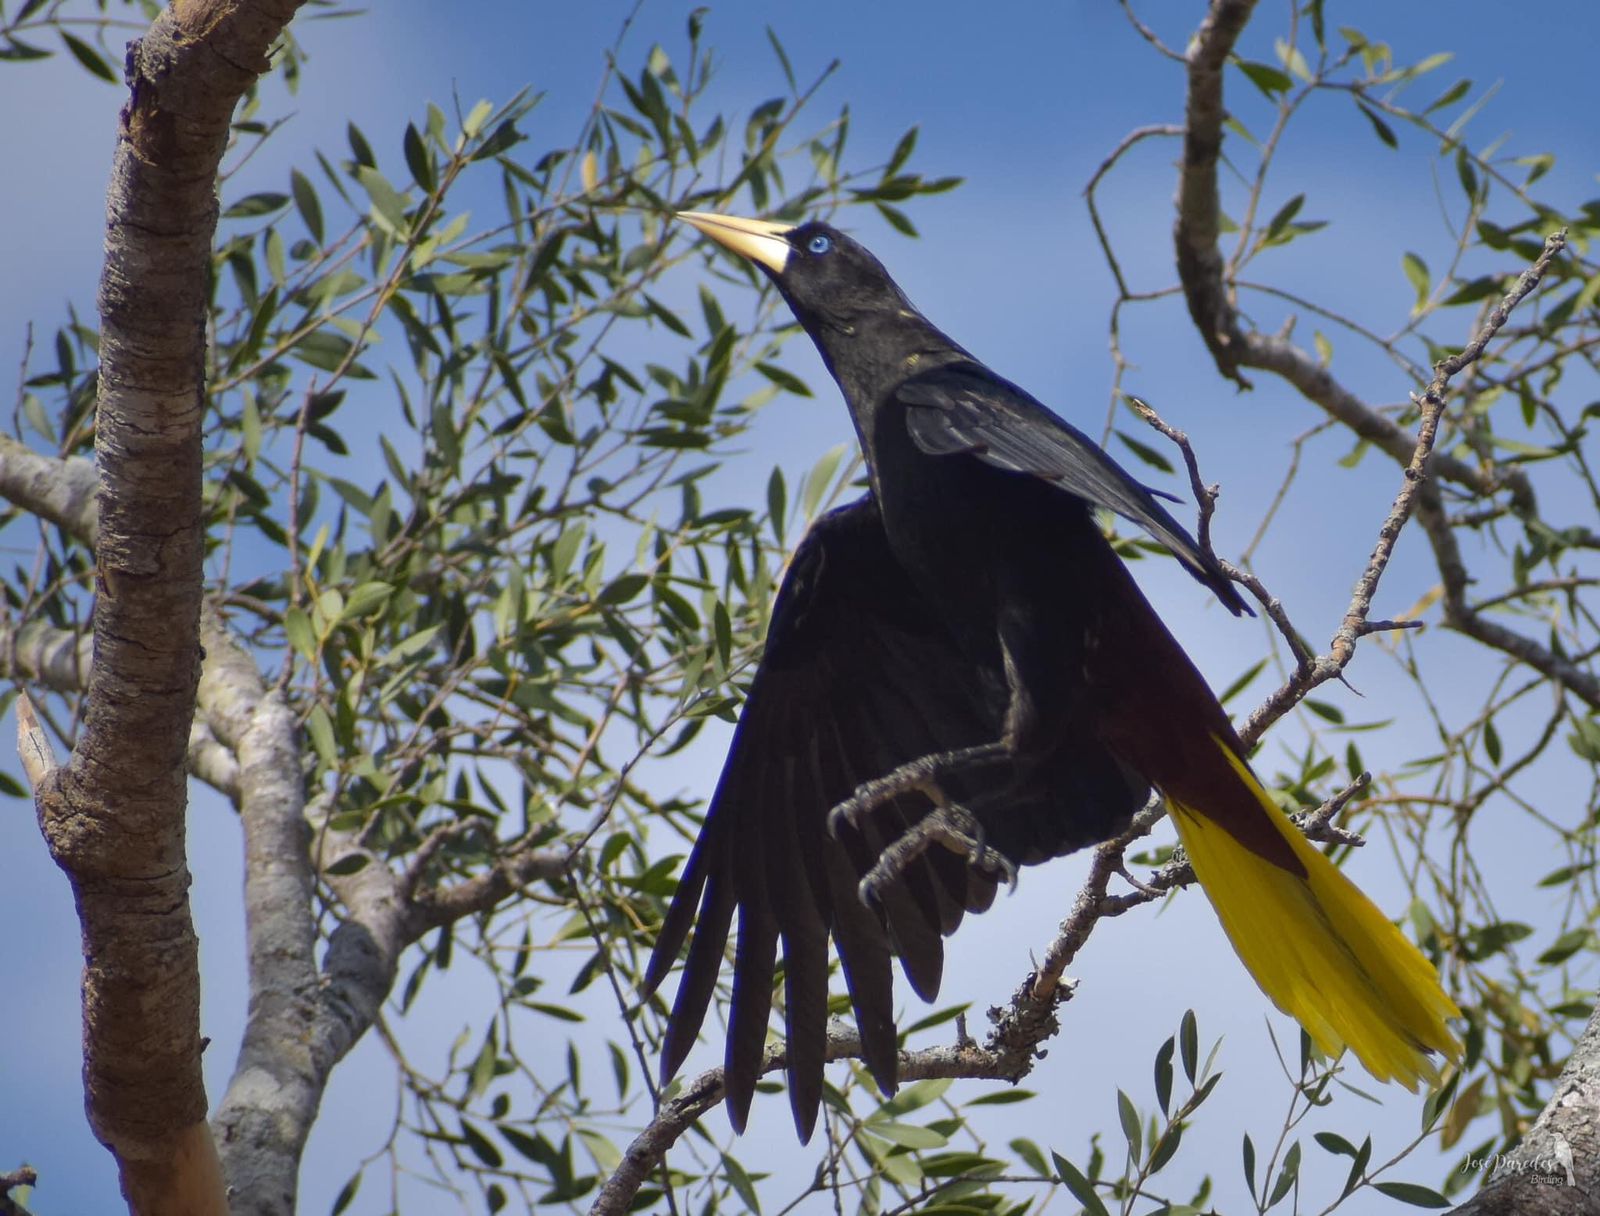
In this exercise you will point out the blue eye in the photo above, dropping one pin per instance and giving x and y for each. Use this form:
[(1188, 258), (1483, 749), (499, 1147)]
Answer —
[(820, 243)]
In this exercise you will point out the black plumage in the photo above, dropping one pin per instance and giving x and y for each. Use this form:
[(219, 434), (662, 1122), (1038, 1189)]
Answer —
[(971, 601)]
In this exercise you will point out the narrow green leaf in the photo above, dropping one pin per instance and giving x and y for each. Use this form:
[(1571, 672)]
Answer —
[(1287, 1175), (784, 379), (1268, 79), (902, 153), (89, 58), (1565, 946), (1189, 1043), (1078, 1186), (1384, 131), (1128, 1116), (346, 1195), (1417, 272), (777, 502), (1335, 1144), (1280, 219), (1164, 1074), (1145, 452), (741, 1184), (1410, 1192)]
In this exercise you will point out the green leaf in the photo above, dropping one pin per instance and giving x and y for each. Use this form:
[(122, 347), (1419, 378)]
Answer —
[(89, 58), (907, 1135), (819, 479), (481, 1146), (1436, 60), (898, 220), (1029, 1152), (1565, 946), (1166, 1148), (785, 380), (783, 59), (1287, 1175), (741, 1184), (347, 1193), (1485, 940), (902, 153), (1146, 453), (1249, 1154), (1189, 1043), (1410, 1192), (777, 502), (1268, 79), (1585, 739), (416, 153), (1417, 272), (388, 207), (1473, 290), (1292, 59), (1242, 681), (482, 1071), (1002, 1097), (1163, 1068), (263, 203), (915, 1096), (1450, 96), (1383, 130), (1128, 1116), (1078, 1186), (1335, 1144), (297, 631), (365, 598), (1565, 874), (1491, 742), (1280, 220)]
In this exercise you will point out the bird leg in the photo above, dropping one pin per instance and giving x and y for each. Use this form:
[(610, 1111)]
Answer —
[(949, 824), (920, 775)]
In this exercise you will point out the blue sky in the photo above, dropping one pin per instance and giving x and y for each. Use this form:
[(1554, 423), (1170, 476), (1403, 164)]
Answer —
[(1024, 101)]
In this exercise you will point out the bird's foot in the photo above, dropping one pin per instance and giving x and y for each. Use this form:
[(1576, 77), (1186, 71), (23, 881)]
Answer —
[(950, 825), (921, 776)]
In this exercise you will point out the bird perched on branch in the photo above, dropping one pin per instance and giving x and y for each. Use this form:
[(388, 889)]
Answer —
[(961, 677)]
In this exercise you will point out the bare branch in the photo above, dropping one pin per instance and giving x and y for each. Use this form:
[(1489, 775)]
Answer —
[(1199, 206), (33, 743), (508, 874), (1212, 301), (1004, 1057), (61, 491), (22, 1176), (1461, 616), (37, 653), (1431, 404)]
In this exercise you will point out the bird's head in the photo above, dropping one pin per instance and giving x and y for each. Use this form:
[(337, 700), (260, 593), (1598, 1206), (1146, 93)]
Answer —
[(829, 280)]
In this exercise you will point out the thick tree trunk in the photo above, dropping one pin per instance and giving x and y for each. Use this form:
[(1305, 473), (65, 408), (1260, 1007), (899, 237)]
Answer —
[(1555, 1171), (113, 815)]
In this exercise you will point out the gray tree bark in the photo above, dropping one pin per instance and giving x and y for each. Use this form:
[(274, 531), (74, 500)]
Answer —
[(113, 814)]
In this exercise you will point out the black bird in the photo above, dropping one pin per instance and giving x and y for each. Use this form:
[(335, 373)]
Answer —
[(964, 644)]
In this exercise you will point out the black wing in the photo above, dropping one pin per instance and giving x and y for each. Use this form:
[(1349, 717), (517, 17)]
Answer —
[(858, 677), (965, 408)]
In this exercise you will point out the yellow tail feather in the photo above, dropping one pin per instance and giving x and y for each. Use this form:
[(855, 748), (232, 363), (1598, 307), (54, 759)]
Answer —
[(1321, 950)]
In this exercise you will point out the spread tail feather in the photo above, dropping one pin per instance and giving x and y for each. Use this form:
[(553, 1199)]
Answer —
[(1320, 949)]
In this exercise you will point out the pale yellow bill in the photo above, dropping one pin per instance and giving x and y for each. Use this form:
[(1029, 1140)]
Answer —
[(759, 240)]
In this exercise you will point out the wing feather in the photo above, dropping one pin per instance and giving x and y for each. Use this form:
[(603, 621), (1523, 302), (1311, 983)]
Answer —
[(858, 677), (964, 408)]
